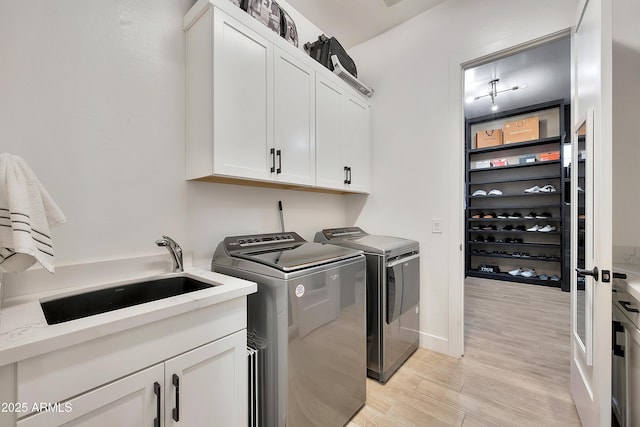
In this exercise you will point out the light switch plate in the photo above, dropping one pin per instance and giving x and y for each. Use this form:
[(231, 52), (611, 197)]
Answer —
[(436, 225)]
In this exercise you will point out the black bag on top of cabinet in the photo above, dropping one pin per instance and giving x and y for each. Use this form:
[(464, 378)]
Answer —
[(265, 11), (325, 47), (242, 4), (288, 28)]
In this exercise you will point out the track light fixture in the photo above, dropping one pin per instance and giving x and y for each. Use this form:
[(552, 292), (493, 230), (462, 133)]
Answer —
[(493, 93)]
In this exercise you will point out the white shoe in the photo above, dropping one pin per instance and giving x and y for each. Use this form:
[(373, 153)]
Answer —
[(534, 228), (548, 189), (516, 272), (528, 273), (547, 228), (495, 193), (534, 189), (479, 193)]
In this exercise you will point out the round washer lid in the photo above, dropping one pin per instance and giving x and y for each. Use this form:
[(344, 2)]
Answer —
[(297, 257)]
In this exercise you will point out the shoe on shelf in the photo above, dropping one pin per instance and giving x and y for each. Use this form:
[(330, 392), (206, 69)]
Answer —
[(495, 192), (555, 278), (516, 254), (507, 228), (525, 255), (547, 228), (530, 215), (515, 215), (517, 241), (516, 272), (490, 239), (475, 227), (489, 227), (477, 215), (503, 215), (543, 215), (534, 189), (529, 272), (548, 189), (491, 215), (479, 193), (521, 228), (543, 277), (534, 228), (478, 239)]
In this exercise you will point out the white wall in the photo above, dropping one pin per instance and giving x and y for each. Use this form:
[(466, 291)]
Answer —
[(626, 142), (417, 163), (92, 96)]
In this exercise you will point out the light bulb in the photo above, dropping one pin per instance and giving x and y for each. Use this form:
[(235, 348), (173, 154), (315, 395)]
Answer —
[(494, 107), (470, 99)]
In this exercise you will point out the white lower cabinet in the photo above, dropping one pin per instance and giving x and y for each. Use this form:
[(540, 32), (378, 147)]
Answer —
[(203, 387), (342, 138)]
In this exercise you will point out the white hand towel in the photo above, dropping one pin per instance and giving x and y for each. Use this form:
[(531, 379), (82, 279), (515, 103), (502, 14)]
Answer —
[(27, 213)]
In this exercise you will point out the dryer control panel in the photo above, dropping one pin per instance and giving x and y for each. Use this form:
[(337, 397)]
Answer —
[(236, 243)]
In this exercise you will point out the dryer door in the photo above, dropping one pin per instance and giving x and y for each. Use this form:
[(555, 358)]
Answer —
[(403, 284)]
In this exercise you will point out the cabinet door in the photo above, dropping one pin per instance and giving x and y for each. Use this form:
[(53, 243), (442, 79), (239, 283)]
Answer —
[(294, 125), (357, 142), (242, 100), (330, 135), (208, 386), (128, 402)]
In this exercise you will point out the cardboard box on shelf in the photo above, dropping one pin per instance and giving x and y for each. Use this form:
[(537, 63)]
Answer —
[(488, 138), (527, 158), (552, 155), (522, 130)]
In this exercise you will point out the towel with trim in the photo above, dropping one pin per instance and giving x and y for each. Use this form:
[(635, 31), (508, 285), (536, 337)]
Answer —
[(27, 213)]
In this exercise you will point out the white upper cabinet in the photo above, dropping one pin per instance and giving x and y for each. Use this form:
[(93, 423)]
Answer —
[(255, 111), (342, 139), (294, 126)]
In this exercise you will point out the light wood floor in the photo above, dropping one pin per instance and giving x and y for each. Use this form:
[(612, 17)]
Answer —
[(515, 371)]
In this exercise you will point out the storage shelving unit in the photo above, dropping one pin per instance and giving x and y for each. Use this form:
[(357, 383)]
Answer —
[(488, 245)]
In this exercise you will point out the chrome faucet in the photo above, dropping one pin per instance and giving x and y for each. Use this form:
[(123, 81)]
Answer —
[(175, 250)]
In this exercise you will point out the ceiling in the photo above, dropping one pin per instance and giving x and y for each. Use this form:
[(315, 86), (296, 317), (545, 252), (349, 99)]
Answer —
[(545, 70), (355, 21)]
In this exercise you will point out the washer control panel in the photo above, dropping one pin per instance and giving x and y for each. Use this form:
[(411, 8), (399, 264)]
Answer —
[(236, 243), (337, 233)]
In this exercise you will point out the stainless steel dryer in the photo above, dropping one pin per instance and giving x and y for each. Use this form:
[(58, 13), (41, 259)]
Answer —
[(393, 294), (310, 311)]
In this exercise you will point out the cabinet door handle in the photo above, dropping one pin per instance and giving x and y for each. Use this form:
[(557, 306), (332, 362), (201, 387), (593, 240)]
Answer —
[(346, 174), (627, 306), (616, 327), (176, 411), (279, 154), (349, 174), (156, 391), (273, 159)]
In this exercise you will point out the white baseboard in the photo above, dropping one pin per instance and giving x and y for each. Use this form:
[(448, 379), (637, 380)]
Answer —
[(434, 343)]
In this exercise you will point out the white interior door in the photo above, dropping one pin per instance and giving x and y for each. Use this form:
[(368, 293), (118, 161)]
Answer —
[(591, 212)]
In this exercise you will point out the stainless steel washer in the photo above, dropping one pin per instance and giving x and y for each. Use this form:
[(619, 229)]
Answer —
[(310, 311), (393, 295)]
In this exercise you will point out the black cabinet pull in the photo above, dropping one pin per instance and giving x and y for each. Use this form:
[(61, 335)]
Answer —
[(279, 154), (617, 348), (594, 273), (349, 171), (176, 411), (346, 174), (627, 306), (156, 391), (273, 159), (619, 275)]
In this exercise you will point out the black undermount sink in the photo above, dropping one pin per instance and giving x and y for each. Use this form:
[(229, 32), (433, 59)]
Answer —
[(100, 301)]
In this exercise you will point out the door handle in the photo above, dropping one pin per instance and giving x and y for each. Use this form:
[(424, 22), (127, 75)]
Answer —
[(627, 306), (176, 411), (346, 174), (156, 391), (594, 273), (273, 159), (349, 175), (279, 155)]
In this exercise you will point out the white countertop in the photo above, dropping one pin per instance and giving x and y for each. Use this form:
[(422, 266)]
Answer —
[(633, 277), (24, 333)]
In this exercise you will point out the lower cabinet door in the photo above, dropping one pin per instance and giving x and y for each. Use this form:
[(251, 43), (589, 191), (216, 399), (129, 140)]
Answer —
[(129, 402), (208, 386)]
